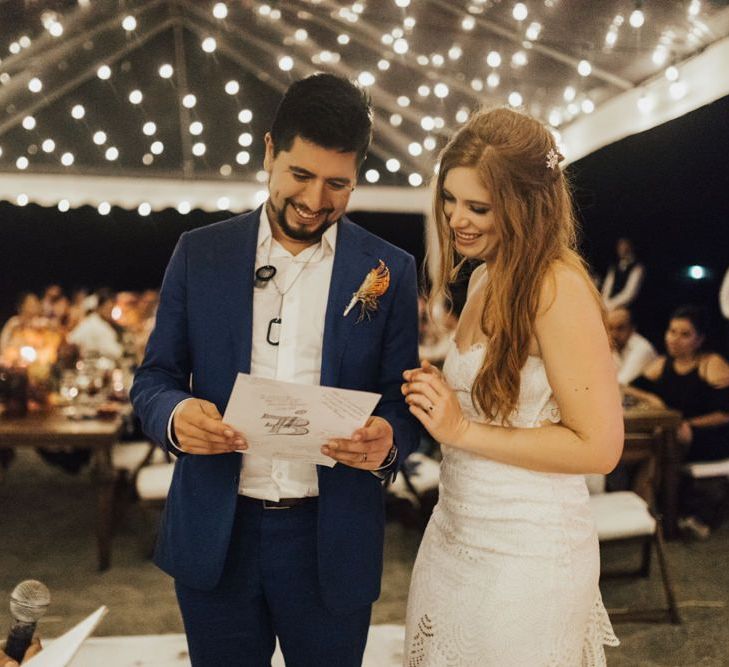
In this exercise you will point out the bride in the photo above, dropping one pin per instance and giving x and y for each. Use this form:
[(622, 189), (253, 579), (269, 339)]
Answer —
[(527, 403)]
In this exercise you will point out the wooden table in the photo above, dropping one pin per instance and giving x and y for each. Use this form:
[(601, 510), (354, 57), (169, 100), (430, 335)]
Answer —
[(663, 422), (53, 430)]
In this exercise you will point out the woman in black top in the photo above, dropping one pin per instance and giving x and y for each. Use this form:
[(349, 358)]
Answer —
[(697, 384)]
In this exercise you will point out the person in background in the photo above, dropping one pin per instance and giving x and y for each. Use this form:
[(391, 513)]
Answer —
[(624, 278), (724, 305), (631, 351), (696, 382), (96, 333), (50, 295), (29, 313)]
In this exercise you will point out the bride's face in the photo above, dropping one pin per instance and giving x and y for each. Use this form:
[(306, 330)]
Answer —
[(467, 208)]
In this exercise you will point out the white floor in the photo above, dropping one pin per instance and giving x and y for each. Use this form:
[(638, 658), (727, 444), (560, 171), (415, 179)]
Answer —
[(384, 649)]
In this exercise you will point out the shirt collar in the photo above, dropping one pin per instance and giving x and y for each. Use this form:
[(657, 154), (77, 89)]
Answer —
[(265, 236)]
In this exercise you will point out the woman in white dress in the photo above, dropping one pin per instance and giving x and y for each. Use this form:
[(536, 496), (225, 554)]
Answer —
[(526, 405)]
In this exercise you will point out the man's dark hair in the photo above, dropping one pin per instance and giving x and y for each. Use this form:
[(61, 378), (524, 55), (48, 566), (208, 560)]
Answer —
[(326, 110)]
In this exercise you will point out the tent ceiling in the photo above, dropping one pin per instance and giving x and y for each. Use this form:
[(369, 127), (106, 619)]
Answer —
[(53, 55)]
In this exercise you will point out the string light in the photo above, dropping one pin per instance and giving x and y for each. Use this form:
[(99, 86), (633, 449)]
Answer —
[(35, 85), (189, 101), (520, 11), (392, 165), (232, 87), (136, 97), (286, 63), (372, 175), (22, 162), (493, 59), (245, 115), (220, 10), (29, 123), (64, 205), (515, 99), (637, 18), (166, 71), (104, 72), (129, 23), (209, 45)]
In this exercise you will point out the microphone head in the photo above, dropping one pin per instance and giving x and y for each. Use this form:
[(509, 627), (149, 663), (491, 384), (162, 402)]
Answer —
[(29, 601)]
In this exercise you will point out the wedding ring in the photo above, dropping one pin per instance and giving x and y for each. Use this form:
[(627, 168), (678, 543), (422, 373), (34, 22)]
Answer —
[(364, 457)]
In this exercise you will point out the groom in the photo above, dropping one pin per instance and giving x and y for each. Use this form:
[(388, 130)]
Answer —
[(263, 549)]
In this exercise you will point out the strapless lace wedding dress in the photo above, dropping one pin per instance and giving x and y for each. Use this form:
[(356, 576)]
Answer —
[(507, 572)]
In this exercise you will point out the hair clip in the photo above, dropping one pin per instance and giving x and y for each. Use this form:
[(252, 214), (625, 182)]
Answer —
[(553, 158)]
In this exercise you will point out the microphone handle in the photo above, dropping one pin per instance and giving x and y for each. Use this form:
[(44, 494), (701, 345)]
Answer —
[(19, 638)]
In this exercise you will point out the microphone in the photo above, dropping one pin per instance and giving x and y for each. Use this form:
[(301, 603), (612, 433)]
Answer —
[(28, 602)]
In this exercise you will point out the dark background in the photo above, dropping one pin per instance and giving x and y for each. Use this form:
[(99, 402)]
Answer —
[(667, 189)]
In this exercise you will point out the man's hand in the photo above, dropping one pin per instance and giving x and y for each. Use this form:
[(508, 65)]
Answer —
[(5, 661), (199, 429), (367, 449)]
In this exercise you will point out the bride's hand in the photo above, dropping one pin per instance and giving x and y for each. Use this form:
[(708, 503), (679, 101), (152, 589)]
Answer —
[(434, 404)]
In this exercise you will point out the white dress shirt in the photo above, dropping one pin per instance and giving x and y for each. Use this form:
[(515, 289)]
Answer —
[(633, 358), (305, 280)]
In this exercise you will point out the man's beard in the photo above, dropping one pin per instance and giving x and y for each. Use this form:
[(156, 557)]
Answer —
[(303, 234)]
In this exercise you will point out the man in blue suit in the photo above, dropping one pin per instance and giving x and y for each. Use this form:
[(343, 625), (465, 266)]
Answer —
[(263, 549)]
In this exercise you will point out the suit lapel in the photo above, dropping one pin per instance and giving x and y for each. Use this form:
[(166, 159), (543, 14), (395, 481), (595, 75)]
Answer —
[(237, 279), (352, 261)]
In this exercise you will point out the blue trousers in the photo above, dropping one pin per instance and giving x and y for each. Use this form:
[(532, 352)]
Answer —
[(270, 588)]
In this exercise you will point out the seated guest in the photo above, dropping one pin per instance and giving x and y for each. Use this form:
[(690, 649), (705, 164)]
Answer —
[(96, 333), (696, 383), (632, 352), (50, 295), (29, 312)]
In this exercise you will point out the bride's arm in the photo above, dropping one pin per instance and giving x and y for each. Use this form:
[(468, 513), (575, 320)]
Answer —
[(581, 372)]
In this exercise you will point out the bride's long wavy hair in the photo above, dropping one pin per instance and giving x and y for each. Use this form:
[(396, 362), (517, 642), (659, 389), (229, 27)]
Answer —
[(536, 227)]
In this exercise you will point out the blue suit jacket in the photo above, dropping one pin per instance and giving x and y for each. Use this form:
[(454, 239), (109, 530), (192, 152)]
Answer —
[(202, 339)]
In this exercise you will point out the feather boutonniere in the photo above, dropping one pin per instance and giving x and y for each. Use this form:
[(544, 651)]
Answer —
[(372, 288)]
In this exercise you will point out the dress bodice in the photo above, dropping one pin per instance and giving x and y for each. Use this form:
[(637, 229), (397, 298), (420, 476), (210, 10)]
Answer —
[(536, 404)]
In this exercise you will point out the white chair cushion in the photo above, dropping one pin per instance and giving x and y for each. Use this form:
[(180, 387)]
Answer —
[(130, 455), (620, 515), (708, 469), (153, 482)]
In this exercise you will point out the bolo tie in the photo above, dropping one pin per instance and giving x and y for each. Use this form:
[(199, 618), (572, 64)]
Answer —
[(266, 274)]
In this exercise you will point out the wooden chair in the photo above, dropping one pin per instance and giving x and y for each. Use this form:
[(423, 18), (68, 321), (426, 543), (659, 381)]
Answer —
[(629, 517), (712, 478)]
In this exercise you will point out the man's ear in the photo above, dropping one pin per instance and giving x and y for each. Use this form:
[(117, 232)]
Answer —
[(268, 157)]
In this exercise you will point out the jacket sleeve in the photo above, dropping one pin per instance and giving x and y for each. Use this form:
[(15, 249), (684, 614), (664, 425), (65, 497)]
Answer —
[(400, 352), (163, 379)]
